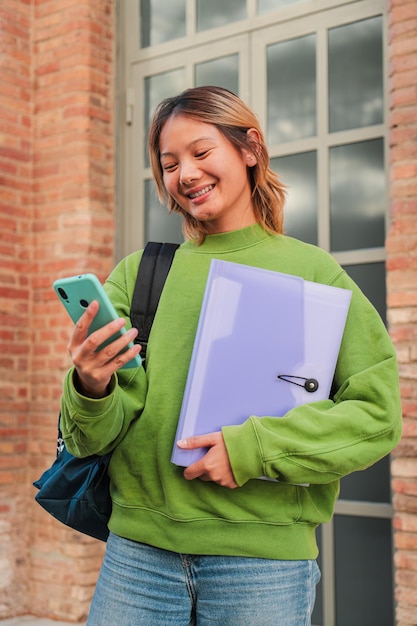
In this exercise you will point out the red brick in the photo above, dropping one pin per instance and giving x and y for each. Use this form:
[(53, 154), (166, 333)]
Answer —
[(406, 595), (48, 165)]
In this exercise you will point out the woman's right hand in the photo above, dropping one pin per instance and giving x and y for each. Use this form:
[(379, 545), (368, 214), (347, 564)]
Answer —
[(94, 369)]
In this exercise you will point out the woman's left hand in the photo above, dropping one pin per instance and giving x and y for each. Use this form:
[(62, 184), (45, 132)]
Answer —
[(215, 465)]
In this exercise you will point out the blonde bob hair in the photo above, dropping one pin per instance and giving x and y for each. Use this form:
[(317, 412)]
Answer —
[(231, 116)]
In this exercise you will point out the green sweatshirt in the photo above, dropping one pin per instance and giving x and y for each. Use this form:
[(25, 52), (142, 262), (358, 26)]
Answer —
[(315, 443)]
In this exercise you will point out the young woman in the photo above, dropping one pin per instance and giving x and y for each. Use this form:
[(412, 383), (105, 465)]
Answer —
[(211, 544)]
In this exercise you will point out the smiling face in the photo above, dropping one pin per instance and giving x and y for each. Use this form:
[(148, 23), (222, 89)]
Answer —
[(206, 174)]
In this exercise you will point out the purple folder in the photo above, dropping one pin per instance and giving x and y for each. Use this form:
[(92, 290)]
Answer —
[(265, 343)]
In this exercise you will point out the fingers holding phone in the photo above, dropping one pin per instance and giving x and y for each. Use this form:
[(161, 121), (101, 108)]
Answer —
[(98, 355), (99, 344)]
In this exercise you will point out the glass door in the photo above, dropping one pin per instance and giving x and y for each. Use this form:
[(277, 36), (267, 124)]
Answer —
[(315, 75)]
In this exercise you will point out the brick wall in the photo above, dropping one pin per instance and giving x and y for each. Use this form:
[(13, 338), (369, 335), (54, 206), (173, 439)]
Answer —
[(73, 189), (402, 292), (15, 291), (56, 219)]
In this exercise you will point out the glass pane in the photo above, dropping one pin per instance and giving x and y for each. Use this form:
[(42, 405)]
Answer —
[(218, 13), (371, 278), (223, 72), (363, 571), (291, 75), (356, 75), (299, 173), (371, 485), (357, 195), (264, 6), (159, 224), (161, 21), (157, 88)]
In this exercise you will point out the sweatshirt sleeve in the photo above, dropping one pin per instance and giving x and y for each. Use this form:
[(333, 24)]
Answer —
[(323, 441), (96, 426), (91, 426)]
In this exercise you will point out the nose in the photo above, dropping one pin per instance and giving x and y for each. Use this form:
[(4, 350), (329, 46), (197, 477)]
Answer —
[(188, 174)]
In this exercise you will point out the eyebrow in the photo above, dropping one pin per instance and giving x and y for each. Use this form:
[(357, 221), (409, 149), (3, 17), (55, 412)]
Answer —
[(190, 145)]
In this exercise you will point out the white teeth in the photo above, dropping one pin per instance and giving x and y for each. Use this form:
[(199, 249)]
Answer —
[(201, 192)]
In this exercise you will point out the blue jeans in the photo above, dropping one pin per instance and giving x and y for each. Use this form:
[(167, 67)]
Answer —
[(142, 585)]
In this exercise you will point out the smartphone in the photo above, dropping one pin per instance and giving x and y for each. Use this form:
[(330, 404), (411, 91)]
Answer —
[(76, 293)]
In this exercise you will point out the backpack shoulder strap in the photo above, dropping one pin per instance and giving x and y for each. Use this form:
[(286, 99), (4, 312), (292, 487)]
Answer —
[(153, 269)]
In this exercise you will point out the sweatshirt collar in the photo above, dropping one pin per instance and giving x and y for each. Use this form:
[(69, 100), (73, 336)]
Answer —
[(230, 241)]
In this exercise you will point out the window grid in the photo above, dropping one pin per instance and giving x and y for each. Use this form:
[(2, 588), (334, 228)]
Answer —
[(249, 39)]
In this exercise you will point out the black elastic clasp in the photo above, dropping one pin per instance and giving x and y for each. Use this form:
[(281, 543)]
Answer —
[(310, 384)]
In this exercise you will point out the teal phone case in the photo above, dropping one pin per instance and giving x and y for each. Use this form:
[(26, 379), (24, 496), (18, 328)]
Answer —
[(76, 293)]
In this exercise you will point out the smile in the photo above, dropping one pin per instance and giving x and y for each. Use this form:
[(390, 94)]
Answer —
[(197, 194)]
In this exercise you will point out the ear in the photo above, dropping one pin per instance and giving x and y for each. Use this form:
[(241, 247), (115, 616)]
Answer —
[(254, 140)]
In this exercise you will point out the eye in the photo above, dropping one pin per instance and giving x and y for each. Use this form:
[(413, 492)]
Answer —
[(169, 167)]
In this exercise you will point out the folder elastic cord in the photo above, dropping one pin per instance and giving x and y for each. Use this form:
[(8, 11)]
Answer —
[(310, 384)]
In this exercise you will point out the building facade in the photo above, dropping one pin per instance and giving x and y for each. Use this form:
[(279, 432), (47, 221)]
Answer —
[(78, 79)]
